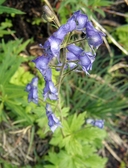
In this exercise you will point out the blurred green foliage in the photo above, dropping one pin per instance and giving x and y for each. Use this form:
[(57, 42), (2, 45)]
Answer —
[(78, 144), (121, 34), (11, 97), (5, 9), (101, 95), (87, 6)]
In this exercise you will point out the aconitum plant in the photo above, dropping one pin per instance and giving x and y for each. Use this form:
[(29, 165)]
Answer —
[(73, 58)]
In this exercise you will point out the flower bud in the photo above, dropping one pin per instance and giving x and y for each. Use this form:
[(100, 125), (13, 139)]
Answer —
[(48, 15)]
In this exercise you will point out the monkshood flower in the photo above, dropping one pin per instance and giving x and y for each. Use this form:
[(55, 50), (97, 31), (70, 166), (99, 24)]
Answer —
[(62, 32), (99, 123), (53, 122), (31, 88), (72, 60), (42, 64), (85, 58), (96, 123), (80, 20), (52, 47), (48, 74), (53, 44), (94, 37), (50, 91)]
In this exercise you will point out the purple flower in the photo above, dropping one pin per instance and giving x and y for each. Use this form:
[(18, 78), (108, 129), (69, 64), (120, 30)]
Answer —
[(52, 47), (48, 75), (72, 60), (94, 37), (62, 32), (47, 50), (72, 24), (53, 122), (70, 55), (80, 21), (99, 123), (96, 123), (50, 91), (32, 89), (85, 58), (42, 64)]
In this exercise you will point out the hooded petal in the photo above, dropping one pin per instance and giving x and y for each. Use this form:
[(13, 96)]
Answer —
[(41, 64), (61, 32), (53, 121), (94, 37), (50, 91), (31, 88), (79, 20), (99, 123), (70, 56), (96, 123), (54, 46), (75, 49)]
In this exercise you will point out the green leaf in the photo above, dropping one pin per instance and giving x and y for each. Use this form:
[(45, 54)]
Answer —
[(12, 60), (95, 161), (1, 1), (90, 134), (65, 111), (100, 11), (62, 159), (5, 9), (73, 123), (21, 47)]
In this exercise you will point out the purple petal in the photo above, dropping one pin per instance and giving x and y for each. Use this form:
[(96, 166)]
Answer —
[(32, 89), (61, 32), (75, 49), (70, 56), (53, 121), (81, 20), (96, 123), (72, 24), (42, 64), (94, 37), (72, 65), (86, 61), (55, 45), (50, 91), (48, 75), (99, 123)]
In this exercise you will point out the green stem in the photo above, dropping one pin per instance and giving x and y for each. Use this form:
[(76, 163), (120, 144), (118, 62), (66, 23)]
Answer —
[(76, 41), (59, 86)]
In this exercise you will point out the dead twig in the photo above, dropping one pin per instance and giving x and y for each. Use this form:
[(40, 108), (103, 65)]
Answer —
[(108, 34), (115, 13), (111, 151)]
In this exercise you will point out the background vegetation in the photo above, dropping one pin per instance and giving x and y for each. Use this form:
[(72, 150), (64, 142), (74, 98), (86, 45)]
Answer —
[(25, 138)]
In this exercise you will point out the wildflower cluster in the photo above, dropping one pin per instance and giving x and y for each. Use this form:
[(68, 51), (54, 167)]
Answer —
[(75, 57), (96, 123)]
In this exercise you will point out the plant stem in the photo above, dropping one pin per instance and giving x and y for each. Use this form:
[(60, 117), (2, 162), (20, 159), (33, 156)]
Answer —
[(59, 86)]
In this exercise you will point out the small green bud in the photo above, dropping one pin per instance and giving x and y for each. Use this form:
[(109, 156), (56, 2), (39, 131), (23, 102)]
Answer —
[(48, 15)]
